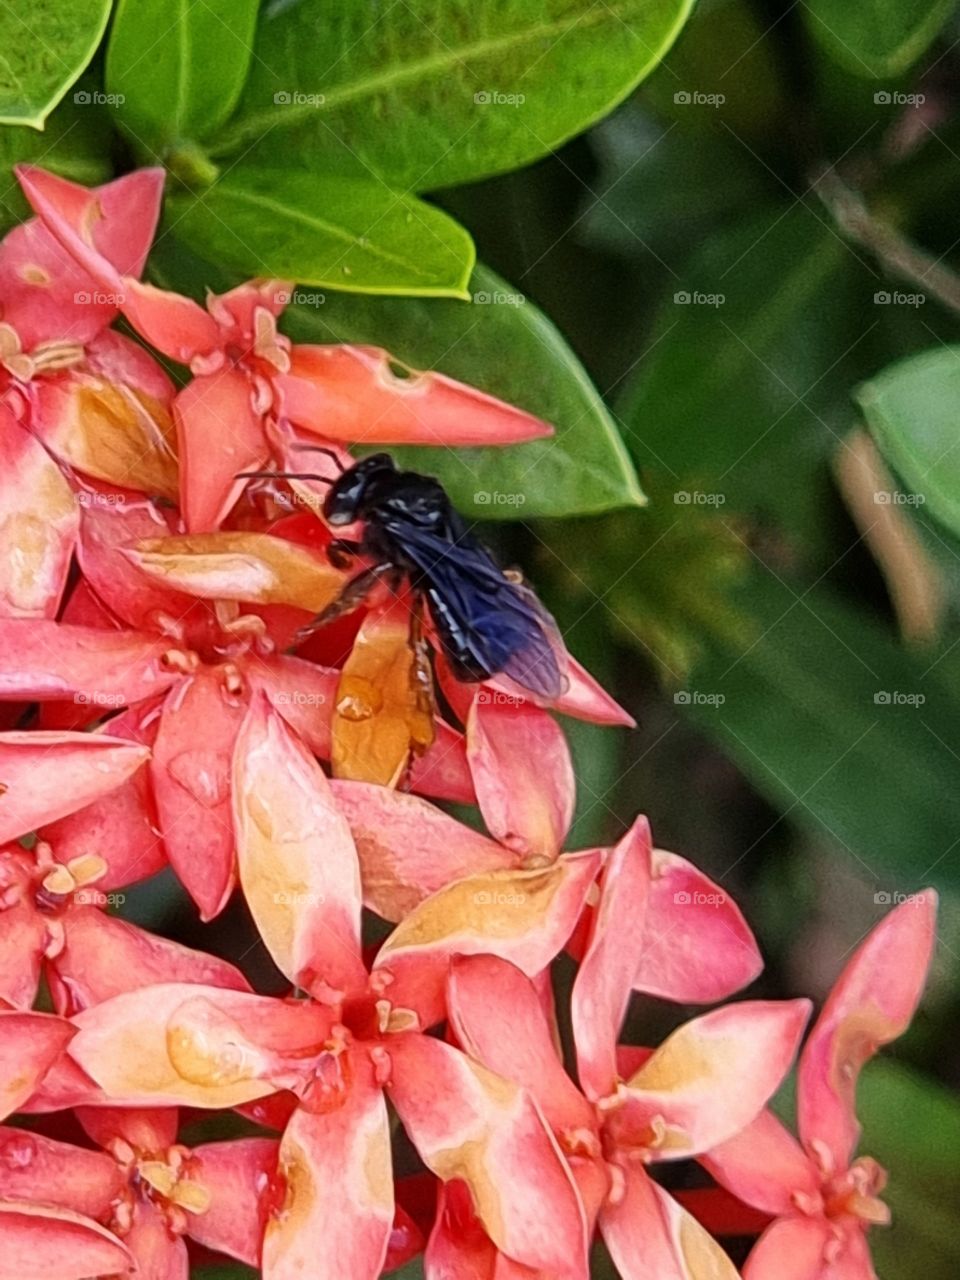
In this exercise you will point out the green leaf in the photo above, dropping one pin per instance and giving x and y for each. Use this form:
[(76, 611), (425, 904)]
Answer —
[(841, 729), (433, 93), (46, 46), (874, 38), (341, 233), (911, 409), (501, 344), (178, 69)]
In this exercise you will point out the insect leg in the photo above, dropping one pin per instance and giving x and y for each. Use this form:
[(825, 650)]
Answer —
[(350, 598), (341, 552)]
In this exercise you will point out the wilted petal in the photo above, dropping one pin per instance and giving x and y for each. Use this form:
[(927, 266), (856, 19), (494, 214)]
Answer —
[(764, 1166), (523, 774), (239, 565), (177, 1044), (381, 716), (470, 1124), (602, 988), (650, 1237), (523, 916), (689, 917), (709, 1079), (38, 525), (44, 776), (41, 1243), (362, 394), (239, 1177), (40, 1169), (871, 1004), (498, 1019), (796, 1249), (408, 848), (298, 862), (104, 956), (191, 783), (41, 660), (219, 435), (337, 1214), (30, 1043)]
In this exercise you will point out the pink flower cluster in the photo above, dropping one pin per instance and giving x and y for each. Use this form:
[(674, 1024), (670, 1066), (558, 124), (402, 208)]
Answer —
[(158, 708)]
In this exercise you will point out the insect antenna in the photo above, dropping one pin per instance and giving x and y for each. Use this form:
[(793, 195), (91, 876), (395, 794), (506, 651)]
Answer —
[(322, 448), (284, 475)]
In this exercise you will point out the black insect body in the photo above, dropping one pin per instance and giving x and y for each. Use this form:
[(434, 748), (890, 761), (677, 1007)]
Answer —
[(487, 621)]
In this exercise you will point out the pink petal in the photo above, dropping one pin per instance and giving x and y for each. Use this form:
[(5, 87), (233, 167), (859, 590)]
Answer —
[(41, 660), (40, 1243), (442, 771), (498, 1018), (179, 1044), (408, 848), (158, 1254), (793, 1249), (44, 776), (303, 693), (602, 988), (584, 698), (709, 1079), (458, 1248), (689, 916), (176, 326), (523, 916), (23, 937), (871, 1004), (35, 1168), (239, 1176), (30, 1043), (650, 1237), (764, 1166), (219, 435), (190, 770), (38, 526), (470, 1124), (523, 774), (298, 862), (104, 956), (47, 296), (338, 1212), (149, 1129), (353, 394)]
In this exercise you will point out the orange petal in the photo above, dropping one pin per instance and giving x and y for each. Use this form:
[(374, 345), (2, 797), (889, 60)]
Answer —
[(219, 436)]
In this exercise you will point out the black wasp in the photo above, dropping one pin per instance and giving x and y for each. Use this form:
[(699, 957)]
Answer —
[(488, 622)]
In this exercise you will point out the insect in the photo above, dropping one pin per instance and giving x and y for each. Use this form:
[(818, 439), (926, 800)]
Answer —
[(486, 619)]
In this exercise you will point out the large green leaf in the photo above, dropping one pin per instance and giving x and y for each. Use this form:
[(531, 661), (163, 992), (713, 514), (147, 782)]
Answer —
[(502, 344), (433, 93), (877, 37), (46, 46), (178, 68), (841, 729), (339, 232), (911, 408)]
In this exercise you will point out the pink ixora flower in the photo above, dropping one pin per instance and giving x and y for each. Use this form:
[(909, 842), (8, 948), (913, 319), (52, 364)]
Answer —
[(824, 1197), (357, 1034)]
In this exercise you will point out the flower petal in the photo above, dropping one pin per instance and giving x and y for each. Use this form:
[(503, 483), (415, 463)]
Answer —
[(40, 1243), (298, 862), (651, 1237), (158, 1254), (239, 1176), (473, 1125), (764, 1166), (871, 1004), (523, 774), (458, 1248), (38, 525), (30, 1043), (219, 435), (689, 916), (408, 848), (602, 988), (23, 934), (44, 776), (39, 1169), (709, 1079), (523, 916), (355, 393), (190, 770), (337, 1216), (795, 1249)]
